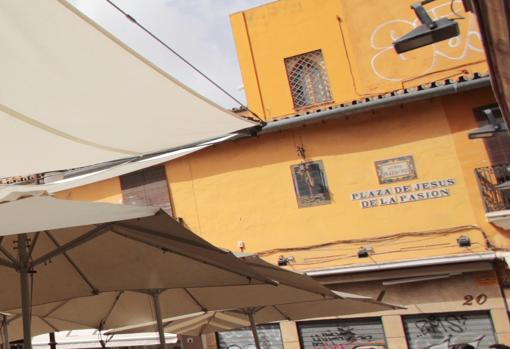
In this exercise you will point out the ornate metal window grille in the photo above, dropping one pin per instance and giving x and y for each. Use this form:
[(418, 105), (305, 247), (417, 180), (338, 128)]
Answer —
[(494, 199), (308, 79), (310, 184)]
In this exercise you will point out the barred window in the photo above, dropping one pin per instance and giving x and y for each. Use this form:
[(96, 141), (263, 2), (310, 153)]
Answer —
[(308, 79), (310, 184)]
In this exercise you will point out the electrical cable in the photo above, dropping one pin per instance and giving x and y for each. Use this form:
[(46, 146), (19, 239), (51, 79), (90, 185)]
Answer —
[(178, 55), (441, 232), (331, 258)]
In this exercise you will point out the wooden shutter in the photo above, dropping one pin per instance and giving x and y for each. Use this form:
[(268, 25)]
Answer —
[(147, 187)]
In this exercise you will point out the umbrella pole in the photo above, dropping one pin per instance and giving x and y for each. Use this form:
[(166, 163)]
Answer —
[(25, 290), (53, 342), (5, 332), (254, 330), (157, 308)]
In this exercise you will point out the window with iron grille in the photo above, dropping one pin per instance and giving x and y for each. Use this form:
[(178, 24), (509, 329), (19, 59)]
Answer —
[(147, 187), (308, 79), (310, 184)]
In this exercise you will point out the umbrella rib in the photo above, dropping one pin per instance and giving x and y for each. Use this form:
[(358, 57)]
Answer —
[(32, 245), (94, 289), (8, 255), (17, 316), (168, 249), (54, 309), (195, 300), (282, 313), (8, 264), (49, 324), (167, 236), (92, 234), (110, 311), (207, 323)]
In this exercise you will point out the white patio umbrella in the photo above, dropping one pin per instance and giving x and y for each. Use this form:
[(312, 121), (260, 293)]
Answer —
[(110, 310), (207, 322), (60, 249)]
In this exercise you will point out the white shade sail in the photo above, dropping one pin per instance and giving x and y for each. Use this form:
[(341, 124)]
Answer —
[(72, 95), (96, 173)]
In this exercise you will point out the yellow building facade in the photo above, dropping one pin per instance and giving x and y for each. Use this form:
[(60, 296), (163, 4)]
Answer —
[(364, 176)]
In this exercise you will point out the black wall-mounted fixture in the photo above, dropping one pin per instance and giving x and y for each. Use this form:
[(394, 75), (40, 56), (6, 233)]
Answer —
[(283, 261), (363, 252), (495, 122), (464, 241), (428, 32)]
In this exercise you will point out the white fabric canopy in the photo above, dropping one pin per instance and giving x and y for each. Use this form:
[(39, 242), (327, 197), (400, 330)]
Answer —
[(9, 192), (213, 321), (72, 95), (116, 309), (39, 213)]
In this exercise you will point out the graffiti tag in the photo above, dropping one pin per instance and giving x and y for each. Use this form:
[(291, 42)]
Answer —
[(337, 336), (454, 49), (441, 325)]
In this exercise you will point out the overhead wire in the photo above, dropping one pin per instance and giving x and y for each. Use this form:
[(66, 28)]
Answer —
[(181, 57), (384, 238), (332, 258)]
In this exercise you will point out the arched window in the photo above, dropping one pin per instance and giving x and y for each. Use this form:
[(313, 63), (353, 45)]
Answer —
[(308, 79)]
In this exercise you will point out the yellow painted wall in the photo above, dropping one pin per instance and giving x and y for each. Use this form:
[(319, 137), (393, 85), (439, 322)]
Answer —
[(355, 37), (103, 191), (243, 190)]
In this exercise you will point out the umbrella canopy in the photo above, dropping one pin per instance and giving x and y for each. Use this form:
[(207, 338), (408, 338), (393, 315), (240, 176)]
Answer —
[(201, 323), (86, 254), (84, 83), (110, 310)]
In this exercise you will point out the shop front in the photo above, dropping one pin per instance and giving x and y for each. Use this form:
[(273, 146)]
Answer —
[(445, 305)]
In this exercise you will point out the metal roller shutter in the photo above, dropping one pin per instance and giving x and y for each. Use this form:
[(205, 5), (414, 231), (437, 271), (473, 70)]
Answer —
[(269, 336), (345, 334), (442, 331)]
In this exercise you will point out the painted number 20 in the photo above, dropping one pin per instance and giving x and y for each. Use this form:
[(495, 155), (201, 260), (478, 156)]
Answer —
[(480, 299)]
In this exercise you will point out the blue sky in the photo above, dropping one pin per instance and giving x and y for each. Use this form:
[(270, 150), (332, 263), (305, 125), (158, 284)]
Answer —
[(197, 29)]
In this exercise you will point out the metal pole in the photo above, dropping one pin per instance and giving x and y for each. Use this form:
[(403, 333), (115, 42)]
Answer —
[(5, 332), (157, 309), (53, 342), (25, 290), (254, 330)]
